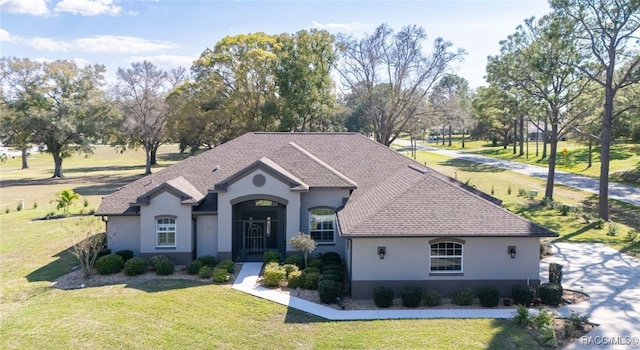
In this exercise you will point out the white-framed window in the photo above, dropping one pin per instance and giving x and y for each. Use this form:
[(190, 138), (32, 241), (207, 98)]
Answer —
[(445, 257), (166, 232), (322, 225)]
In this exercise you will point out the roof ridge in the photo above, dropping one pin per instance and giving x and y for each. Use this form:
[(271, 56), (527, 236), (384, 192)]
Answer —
[(322, 163)]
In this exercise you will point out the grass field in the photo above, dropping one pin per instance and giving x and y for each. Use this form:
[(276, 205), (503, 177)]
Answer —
[(624, 166), (165, 314)]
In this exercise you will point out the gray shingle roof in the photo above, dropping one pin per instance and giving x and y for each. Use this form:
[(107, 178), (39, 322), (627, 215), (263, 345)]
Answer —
[(392, 194)]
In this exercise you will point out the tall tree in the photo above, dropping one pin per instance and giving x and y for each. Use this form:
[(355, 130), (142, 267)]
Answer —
[(539, 63), (140, 96), (606, 32), (303, 76), (397, 60), (492, 108), (451, 99)]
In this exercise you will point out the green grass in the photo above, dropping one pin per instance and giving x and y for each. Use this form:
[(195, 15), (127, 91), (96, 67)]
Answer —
[(624, 166), (571, 228), (165, 314)]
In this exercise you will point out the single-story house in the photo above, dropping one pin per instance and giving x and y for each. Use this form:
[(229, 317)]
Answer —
[(395, 221)]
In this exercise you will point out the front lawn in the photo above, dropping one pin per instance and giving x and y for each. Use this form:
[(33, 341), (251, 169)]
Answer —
[(165, 314)]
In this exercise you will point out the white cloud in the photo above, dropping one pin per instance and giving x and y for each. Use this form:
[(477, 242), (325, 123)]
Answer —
[(28, 7), (48, 44), (167, 61), (6, 36), (88, 7), (346, 27), (119, 44)]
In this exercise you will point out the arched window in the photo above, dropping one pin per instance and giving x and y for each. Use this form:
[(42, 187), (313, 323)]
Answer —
[(445, 257), (322, 223), (165, 232)]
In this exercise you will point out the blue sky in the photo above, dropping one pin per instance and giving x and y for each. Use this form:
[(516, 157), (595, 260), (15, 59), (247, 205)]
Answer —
[(174, 33)]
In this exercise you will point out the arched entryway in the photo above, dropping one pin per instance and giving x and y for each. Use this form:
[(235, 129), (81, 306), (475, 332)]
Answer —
[(258, 226)]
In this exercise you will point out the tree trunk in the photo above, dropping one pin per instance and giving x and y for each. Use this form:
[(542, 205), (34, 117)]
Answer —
[(544, 141), (57, 160), (521, 135), (462, 137), (443, 127), (515, 135), (449, 135), (153, 156), (590, 159), (552, 162), (605, 154), (25, 165), (147, 169)]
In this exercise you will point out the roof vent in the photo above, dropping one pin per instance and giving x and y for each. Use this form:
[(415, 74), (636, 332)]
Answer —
[(216, 168), (419, 169), (149, 183)]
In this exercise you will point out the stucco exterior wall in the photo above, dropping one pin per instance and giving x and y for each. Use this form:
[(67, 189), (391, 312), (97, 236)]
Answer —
[(245, 187), (206, 235), (165, 204), (322, 198), (123, 232), (407, 262)]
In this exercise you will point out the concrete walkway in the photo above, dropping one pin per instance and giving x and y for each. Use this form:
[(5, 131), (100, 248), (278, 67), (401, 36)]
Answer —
[(610, 278), (624, 193)]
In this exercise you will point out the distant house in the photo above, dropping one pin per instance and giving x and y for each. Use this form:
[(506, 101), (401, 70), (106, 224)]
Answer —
[(394, 221)]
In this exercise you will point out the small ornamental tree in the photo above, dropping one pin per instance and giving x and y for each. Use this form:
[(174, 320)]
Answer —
[(64, 199), (304, 243), (88, 244)]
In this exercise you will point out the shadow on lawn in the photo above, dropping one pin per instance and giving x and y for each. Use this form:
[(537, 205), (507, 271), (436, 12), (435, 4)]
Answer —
[(161, 285), (297, 316), (59, 267), (466, 165)]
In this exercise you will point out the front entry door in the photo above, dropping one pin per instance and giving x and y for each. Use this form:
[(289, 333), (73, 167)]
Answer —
[(258, 226)]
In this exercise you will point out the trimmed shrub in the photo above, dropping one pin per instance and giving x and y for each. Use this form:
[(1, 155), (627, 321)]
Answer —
[(272, 257), (154, 260), (312, 269), (103, 252), (315, 263), (272, 265), (330, 276), (193, 268), (205, 272), (165, 267), (331, 256), (125, 254), (289, 268), (274, 276), (208, 260), (228, 265), (294, 260), (432, 297), (411, 296), (462, 296), (555, 273), (220, 275), (295, 279), (109, 264), (522, 294), (489, 296), (311, 280), (329, 291), (333, 271), (383, 296), (135, 266), (551, 293)]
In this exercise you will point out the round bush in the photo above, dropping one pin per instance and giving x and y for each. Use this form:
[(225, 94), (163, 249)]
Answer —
[(522, 294), (411, 296), (109, 264), (329, 291), (154, 260), (272, 257), (551, 293), (330, 276), (333, 272), (489, 296), (194, 267), (294, 260), (462, 296), (311, 269), (135, 266), (102, 252), (290, 268), (205, 272), (220, 275), (125, 254), (331, 265), (331, 256), (228, 265), (274, 277), (165, 267), (208, 260), (383, 296), (315, 263), (311, 280), (432, 297), (294, 280)]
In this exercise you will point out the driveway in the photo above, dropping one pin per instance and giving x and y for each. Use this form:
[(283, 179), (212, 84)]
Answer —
[(623, 193), (612, 280)]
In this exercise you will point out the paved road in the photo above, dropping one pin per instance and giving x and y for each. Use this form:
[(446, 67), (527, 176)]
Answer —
[(623, 193)]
